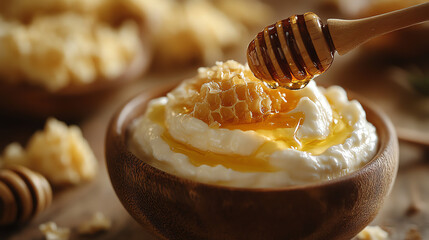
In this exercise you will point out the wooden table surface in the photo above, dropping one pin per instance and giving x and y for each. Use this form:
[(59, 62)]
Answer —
[(405, 210)]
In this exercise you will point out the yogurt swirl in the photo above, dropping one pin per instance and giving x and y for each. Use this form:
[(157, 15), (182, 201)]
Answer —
[(322, 137)]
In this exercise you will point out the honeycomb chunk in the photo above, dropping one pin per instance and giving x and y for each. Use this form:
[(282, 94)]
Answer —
[(59, 152), (229, 93)]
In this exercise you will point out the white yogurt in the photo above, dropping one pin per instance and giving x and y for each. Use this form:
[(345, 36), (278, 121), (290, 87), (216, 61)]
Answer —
[(292, 166)]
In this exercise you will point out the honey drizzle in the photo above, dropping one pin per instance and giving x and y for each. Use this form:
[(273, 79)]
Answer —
[(257, 162), (280, 139), (272, 121)]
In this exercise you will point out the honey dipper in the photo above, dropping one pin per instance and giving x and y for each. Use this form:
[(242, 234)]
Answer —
[(23, 194), (292, 51)]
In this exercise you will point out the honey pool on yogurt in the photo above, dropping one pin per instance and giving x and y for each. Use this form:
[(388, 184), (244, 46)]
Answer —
[(278, 125)]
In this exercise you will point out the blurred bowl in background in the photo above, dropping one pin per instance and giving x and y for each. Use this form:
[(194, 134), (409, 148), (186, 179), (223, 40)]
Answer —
[(71, 102), (64, 59)]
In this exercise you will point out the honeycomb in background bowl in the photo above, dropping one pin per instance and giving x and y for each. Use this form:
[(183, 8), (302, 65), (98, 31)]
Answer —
[(229, 93)]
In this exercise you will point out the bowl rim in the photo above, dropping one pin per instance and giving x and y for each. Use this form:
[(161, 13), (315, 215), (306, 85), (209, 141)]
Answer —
[(119, 134)]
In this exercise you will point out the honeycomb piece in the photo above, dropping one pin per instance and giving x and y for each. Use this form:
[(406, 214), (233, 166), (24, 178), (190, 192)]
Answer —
[(372, 233), (229, 93), (59, 152), (98, 223), (53, 232)]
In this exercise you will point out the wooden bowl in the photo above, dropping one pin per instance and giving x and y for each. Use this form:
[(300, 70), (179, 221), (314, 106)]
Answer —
[(71, 102), (176, 208)]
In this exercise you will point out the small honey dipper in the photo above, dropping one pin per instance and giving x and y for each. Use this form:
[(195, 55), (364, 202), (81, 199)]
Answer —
[(23, 194), (292, 51)]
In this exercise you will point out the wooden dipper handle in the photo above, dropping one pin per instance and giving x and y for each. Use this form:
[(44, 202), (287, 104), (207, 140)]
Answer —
[(292, 51), (348, 34), (23, 194)]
